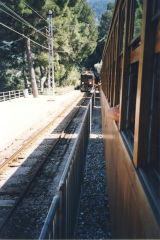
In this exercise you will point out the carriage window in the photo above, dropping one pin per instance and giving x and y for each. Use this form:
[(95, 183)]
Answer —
[(137, 18), (156, 7), (154, 134), (122, 30), (131, 105), (151, 170)]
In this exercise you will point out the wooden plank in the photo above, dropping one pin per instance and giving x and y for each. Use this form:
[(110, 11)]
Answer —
[(144, 87)]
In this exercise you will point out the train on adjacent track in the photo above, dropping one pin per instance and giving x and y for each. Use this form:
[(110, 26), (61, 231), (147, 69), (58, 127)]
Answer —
[(87, 81), (130, 100)]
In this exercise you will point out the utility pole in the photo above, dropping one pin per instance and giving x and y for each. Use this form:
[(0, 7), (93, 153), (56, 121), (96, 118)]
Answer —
[(51, 57)]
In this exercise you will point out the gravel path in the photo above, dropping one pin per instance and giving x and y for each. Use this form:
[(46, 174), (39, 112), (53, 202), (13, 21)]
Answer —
[(93, 220)]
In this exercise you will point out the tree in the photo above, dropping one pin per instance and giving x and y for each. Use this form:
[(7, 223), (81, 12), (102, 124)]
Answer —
[(75, 36), (137, 17), (103, 30), (24, 11)]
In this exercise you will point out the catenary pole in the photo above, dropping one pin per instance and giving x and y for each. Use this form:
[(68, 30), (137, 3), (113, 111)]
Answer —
[(51, 57)]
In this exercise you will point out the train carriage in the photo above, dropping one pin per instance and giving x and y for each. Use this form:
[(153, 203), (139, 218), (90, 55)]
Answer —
[(130, 98), (87, 81)]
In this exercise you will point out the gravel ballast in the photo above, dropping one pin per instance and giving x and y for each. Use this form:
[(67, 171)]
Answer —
[(93, 220)]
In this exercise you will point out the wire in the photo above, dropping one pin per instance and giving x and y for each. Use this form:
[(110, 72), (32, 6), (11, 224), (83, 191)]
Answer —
[(35, 11), (23, 35), (18, 19), (18, 39), (12, 16), (24, 21), (71, 26)]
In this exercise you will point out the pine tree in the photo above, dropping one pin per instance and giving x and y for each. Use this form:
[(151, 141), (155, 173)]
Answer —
[(103, 30), (74, 32), (10, 19)]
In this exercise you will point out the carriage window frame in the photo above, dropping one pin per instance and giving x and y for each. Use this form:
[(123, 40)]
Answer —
[(135, 36), (149, 173), (128, 131), (156, 8), (154, 136)]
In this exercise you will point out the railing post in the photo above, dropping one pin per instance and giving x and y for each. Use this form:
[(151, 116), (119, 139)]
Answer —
[(94, 97), (9, 95), (90, 117), (3, 96)]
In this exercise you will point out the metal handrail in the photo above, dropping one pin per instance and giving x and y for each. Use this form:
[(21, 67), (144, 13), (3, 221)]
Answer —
[(61, 217), (5, 96)]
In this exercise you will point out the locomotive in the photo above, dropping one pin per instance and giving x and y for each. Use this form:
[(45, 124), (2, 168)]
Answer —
[(87, 81)]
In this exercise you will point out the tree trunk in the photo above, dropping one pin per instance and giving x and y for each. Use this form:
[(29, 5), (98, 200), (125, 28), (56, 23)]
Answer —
[(31, 69), (24, 72), (43, 79)]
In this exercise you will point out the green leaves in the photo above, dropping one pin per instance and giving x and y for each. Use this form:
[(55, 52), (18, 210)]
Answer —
[(74, 38), (103, 29)]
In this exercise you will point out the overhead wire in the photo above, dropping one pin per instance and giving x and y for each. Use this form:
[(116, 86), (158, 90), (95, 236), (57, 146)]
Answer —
[(23, 35), (15, 18), (12, 42), (22, 19), (34, 11), (27, 24)]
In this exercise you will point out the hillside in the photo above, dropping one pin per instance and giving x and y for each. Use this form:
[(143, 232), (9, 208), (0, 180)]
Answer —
[(99, 7)]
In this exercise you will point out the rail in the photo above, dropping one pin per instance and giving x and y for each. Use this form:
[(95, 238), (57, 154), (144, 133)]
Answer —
[(5, 96), (61, 218)]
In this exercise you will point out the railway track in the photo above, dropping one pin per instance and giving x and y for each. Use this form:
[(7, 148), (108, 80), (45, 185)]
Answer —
[(23, 142), (31, 176)]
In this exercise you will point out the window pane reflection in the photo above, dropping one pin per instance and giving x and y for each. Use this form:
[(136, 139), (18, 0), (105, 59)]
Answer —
[(137, 24)]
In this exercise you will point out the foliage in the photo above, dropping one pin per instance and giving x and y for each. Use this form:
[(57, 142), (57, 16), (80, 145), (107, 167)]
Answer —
[(138, 17), (99, 7), (103, 30), (74, 32)]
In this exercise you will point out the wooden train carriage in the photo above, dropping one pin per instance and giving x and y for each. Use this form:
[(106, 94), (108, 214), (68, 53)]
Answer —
[(87, 81), (130, 77)]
